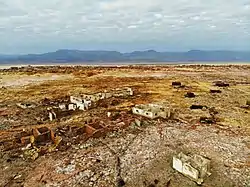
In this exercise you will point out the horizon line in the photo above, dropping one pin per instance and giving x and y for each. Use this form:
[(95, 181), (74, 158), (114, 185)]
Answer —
[(101, 50)]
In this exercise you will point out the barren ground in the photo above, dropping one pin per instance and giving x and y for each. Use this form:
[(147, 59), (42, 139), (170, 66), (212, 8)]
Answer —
[(139, 155)]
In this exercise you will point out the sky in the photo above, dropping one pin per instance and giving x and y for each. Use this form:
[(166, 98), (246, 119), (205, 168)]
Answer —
[(32, 26)]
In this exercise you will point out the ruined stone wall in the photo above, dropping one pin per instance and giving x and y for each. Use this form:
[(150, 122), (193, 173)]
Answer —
[(185, 168), (143, 112), (195, 167)]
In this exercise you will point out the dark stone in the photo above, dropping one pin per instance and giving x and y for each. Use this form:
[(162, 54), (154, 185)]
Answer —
[(114, 102), (215, 91), (190, 95), (193, 107), (221, 84), (206, 120), (156, 181), (176, 83), (120, 182), (168, 183)]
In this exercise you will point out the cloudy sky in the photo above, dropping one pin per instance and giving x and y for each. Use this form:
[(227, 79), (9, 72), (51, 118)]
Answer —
[(32, 26)]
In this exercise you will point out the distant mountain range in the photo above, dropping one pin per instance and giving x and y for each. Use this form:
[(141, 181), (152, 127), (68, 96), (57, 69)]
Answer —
[(67, 56)]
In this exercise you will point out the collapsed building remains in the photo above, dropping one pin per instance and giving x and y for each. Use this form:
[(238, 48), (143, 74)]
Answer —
[(119, 92), (152, 111), (195, 167), (81, 104), (38, 141), (85, 101)]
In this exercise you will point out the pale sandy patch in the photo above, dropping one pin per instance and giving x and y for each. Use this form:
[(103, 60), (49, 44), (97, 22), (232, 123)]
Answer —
[(22, 80)]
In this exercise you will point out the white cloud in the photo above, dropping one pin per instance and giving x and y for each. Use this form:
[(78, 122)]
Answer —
[(99, 21), (132, 26)]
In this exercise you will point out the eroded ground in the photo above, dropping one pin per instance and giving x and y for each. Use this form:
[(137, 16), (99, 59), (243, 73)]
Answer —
[(127, 153)]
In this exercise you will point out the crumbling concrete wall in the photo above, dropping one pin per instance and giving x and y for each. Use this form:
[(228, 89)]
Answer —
[(62, 106), (151, 111), (195, 167), (81, 103), (72, 106), (74, 99), (122, 92), (140, 111), (87, 104), (119, 92), (91, 97)]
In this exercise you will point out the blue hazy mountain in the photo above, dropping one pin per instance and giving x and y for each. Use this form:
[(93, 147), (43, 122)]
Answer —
[(65, 55)]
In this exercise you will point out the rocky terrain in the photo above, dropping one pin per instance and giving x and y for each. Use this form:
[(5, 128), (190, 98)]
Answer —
[(210, 117)]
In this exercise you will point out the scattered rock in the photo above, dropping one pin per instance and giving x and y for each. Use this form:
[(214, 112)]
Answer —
[(66, 170), (17, 177), (31, 154), (145, 123), (207, 120), (176, 83), (220, 84), (193, 107), (138, 122), (215, 91), (120, 182), (4, 127), (247, 105), (248, 102), (168, 183), (132, 124), (190, 95), (156, 181)]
